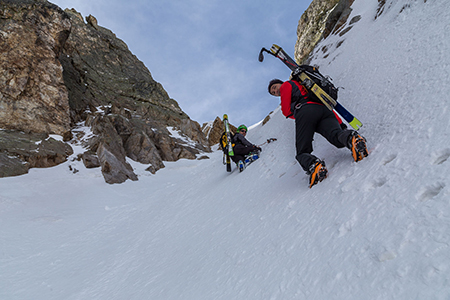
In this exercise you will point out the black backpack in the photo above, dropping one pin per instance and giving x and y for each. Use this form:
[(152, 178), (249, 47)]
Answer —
[(323, 81)]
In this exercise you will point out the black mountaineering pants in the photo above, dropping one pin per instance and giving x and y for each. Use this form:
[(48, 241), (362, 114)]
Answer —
[(240, 151), (311, 118)]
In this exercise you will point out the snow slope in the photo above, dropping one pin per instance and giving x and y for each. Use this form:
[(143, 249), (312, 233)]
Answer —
[(376, 229)]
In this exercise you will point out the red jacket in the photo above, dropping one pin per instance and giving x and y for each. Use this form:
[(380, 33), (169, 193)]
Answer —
[(286, 99)]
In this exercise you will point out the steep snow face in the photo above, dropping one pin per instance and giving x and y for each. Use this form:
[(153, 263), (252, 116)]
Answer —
[(376, 229)]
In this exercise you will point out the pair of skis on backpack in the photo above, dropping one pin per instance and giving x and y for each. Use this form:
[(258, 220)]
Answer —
[(311, 81), (226, 143)]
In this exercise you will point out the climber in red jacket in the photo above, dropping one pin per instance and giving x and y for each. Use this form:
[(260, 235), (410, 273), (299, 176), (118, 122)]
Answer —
[(312, 116)]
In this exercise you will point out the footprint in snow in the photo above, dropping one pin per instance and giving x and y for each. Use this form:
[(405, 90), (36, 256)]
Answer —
[(376, 183), (389, 159), (387, 255), (441, 156), (429, 192), (348, 226)]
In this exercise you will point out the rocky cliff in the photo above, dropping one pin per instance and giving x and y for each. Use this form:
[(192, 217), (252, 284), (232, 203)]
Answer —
[(322, 18), (59, 73), (214, 130)]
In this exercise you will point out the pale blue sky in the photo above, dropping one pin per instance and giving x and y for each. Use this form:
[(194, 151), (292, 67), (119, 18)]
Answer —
[(205, 52)]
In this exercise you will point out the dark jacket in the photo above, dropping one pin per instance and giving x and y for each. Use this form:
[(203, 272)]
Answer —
[(240, 139)]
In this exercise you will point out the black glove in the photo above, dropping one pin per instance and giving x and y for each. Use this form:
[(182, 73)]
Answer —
[(343, 126)]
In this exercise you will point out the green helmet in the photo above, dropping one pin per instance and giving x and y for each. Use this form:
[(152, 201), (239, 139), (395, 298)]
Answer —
[(242, 127)]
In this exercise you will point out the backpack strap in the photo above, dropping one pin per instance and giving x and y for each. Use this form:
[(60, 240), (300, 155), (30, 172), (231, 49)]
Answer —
[(297, 94)]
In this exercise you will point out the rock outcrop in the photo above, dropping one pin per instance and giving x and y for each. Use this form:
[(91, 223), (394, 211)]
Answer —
[(21, 151), (214, 130), (58, 73), (322, 18), (33, 96)]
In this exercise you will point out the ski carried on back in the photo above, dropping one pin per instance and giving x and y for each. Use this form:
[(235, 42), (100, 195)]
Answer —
[(309, 80), (227, 146)]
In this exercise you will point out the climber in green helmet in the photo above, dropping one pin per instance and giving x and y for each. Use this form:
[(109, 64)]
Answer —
[(242, 147)]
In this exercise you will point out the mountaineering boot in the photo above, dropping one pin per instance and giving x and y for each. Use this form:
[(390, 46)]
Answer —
[(241, 166), (357, 145), (251, 157), (255, 155), (317, 172)]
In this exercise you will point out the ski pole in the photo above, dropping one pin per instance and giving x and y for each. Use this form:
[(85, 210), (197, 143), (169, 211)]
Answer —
[(268, 141)]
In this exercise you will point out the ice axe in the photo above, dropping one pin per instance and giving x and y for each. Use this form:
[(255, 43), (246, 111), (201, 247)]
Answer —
[(261, 55)]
